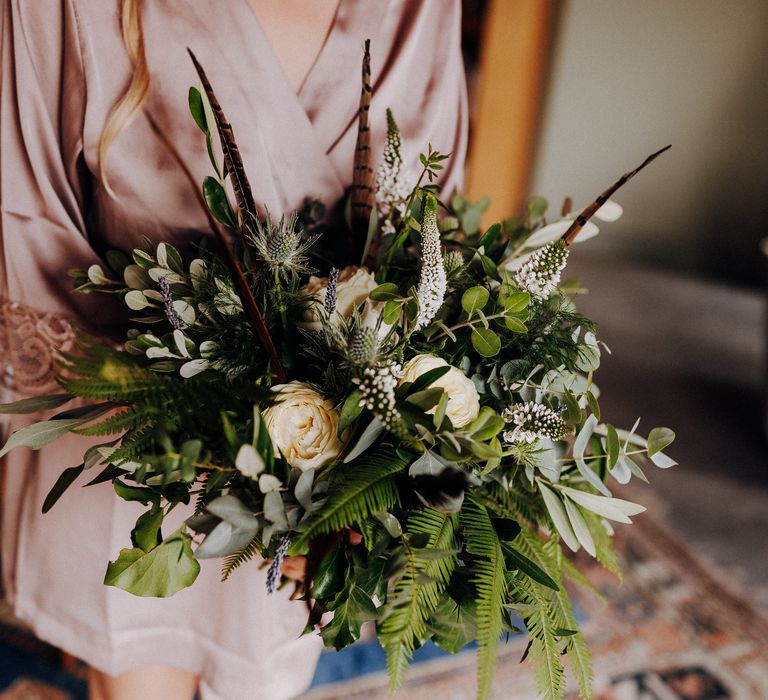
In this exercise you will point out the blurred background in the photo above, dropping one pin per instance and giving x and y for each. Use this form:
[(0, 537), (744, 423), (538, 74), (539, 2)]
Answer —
[(565, 96)]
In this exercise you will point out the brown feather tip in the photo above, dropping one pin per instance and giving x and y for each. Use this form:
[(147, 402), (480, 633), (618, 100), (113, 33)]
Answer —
[(588, 212)]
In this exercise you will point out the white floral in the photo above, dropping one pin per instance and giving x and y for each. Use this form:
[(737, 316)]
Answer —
[(303, 426), (540, 274), (463, 400), (533, 421), (432, 282)]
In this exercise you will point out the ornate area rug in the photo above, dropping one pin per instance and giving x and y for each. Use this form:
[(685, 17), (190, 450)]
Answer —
[(671, 631)]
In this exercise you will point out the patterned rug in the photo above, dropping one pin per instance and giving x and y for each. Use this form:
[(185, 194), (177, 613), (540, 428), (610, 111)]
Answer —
[(672, 631)]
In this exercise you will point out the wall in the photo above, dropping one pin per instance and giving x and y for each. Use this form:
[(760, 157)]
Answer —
[(631, 76)]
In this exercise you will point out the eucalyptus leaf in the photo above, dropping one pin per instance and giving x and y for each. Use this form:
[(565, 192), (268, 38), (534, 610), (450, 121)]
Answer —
[(65, 480), (40, 434), (557, 512), (579, 526), (371, 433), (658, 439), (35, 404)]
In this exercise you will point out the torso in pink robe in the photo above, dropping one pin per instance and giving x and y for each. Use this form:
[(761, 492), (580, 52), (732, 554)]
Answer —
[(63, 67)]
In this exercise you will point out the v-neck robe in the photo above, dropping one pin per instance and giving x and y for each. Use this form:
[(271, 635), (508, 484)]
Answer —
[(63, 67)]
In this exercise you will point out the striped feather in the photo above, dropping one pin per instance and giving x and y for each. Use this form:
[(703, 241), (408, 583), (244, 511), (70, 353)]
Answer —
[(362, 177), (573, 231)]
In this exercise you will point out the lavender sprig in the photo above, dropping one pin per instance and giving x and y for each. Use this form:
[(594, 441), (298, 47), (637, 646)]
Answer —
[(275, 568), (330, 294), (170, 310)]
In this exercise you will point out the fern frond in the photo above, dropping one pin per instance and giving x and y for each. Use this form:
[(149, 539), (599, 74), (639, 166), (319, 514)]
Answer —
[(489, 580), (236, 560), (118, 423), (364, 486), (418, 591)]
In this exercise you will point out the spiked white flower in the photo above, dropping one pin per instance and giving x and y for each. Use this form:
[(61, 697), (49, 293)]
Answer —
[(391, 189), (540, 275), (533, 421), (377, 393), (433, 282)]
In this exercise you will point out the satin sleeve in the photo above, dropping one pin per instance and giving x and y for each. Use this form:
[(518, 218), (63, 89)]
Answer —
[(43, 189)]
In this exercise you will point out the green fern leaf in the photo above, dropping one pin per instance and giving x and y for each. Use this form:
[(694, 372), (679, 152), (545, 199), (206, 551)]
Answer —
[(364, 486), (489, 580), (418, 591), (236, 560)]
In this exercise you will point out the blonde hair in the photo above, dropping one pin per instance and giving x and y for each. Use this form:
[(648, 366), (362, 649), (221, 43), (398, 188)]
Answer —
[(128, 106)]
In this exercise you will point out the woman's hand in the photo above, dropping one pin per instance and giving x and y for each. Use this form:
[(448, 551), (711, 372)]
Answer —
[(295, 568)]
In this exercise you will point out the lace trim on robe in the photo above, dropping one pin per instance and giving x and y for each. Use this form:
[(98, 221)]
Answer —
[(29, 341)]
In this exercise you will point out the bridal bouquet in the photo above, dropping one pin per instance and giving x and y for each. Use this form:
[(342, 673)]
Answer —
[(410, 405)]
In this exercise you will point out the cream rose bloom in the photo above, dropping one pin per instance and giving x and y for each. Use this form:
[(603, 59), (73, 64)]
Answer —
[(352, 289), (303, 426), (463, 400)]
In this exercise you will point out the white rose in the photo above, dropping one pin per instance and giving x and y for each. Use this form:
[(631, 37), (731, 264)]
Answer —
[(352, 289), (463, 400), (303, 426)]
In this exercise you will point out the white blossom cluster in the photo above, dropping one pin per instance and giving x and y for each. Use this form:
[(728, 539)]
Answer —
[(433, 281), (391, 188), (377, 393), (533, 421), (540, 274)]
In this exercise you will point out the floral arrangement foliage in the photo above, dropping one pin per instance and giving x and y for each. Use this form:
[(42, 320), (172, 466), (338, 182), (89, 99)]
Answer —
[(424, 428)]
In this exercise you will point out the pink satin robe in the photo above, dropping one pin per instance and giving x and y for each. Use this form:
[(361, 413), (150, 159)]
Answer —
[(63, 67)]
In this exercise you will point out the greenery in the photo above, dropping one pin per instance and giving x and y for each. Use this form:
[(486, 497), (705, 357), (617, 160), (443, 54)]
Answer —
[(446, 396)]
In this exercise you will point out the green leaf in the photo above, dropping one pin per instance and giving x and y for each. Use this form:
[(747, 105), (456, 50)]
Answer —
[(146, 533), (515, 302), (217, 201), (516, 560), (160, 573), (489, 237), (474, 299), (612, 446), (658, 439), (329, 579), (593, 405), (453, 625), (487, 424), (40, 434), (372, 431), (35, 404), (559, 518), (135, 493), (350, 610), (196, 108), (65, 480), (537, 207), (506, 528), (350, 412), (580, 528), (385, 292), (486, 342), (515, 325), (391, 311), (424, 380)]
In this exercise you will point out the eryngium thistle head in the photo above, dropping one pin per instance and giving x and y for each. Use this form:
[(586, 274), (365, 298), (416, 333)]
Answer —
[(281, 247), (433, 281), (533, 421), (391, 191), (540, 274), (362, 346), (453, 261)]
